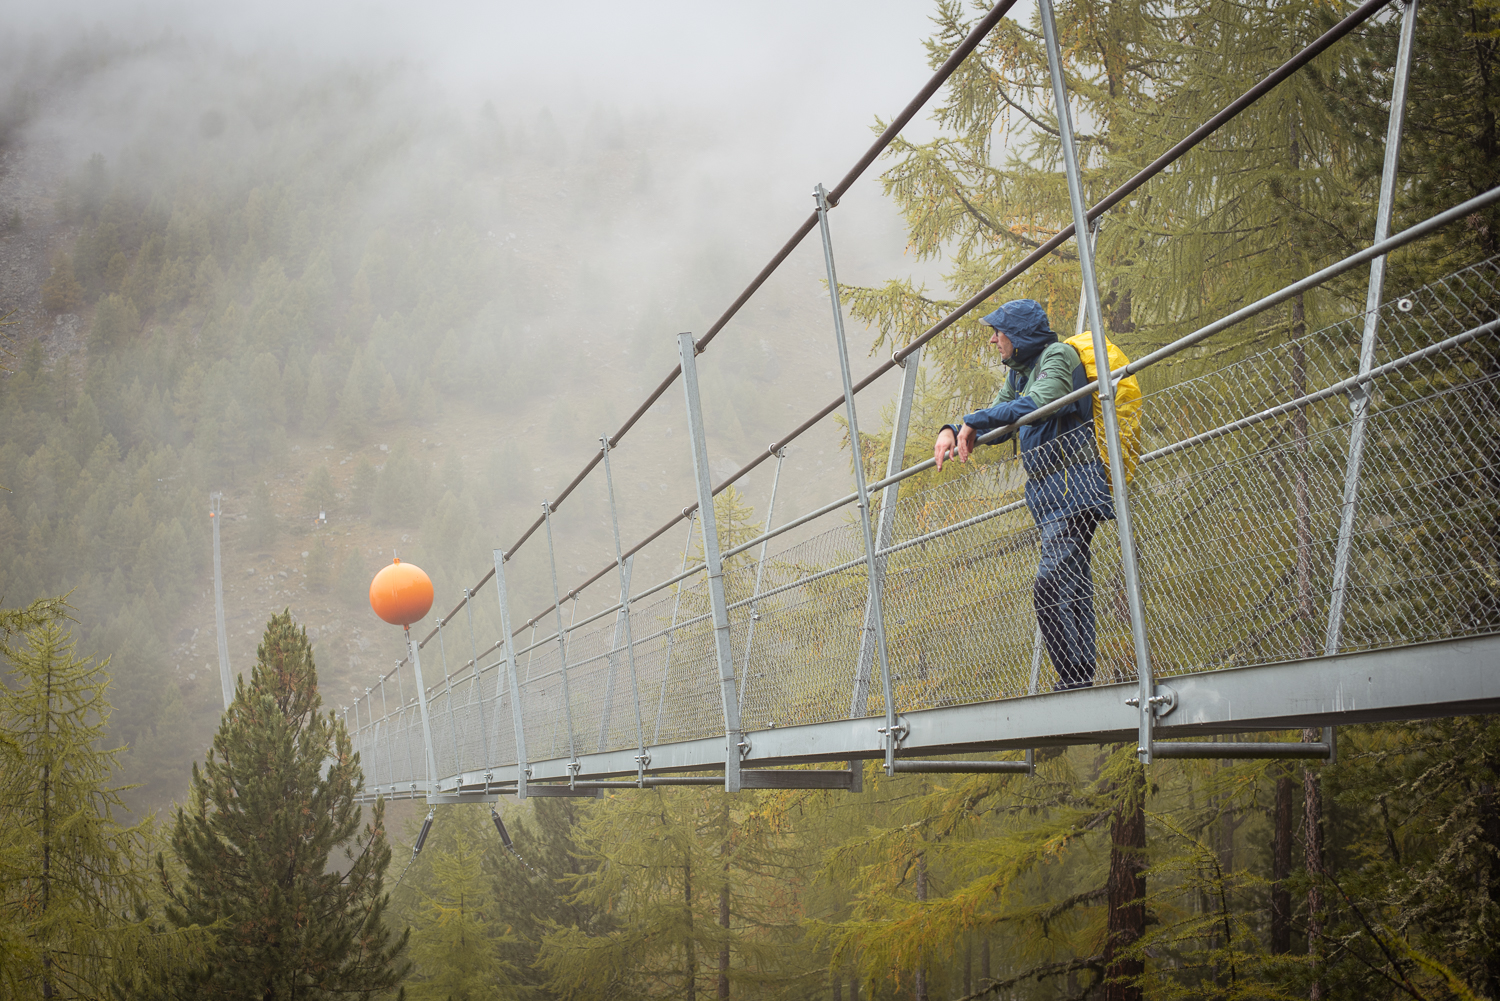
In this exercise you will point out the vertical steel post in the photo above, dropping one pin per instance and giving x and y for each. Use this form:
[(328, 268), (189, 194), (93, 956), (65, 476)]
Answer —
[(416, 666), (760, 572), (820, 195), (373, 742), (1037, 642), (617, 644), (226, 679), (512, 669), (1359, 397), (390, 750), (859, 702), (484, 734), (411, 768), (734, 745), (642, 759), (448, 694), (1126, 529), (562, 645), (666, 668)]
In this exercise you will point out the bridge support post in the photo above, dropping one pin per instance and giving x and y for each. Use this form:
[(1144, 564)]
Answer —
[(562, 646), (666, 667), (1121, 494), (1359, 397), (415, 656), (642, 759), (760, 572), (484, 733), (859, 701), (458, 764), (875, 617), (734, 742), (512, 674), (369, 741)]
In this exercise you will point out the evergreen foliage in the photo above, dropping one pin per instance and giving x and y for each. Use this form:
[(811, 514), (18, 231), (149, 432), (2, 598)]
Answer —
[(271, 850), (458, 931), (75, 902)]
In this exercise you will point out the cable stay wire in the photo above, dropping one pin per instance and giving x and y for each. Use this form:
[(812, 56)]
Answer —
[(1264, 86)]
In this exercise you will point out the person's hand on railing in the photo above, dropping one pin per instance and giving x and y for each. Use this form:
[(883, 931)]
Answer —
[(962, 448)]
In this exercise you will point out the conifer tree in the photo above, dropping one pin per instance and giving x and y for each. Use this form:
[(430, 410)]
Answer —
[(74, 883), (62, 292), (457, 926), (530, 885), (272, 851)]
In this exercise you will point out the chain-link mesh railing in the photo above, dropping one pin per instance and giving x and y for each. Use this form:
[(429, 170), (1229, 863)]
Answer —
[(1237, 499)]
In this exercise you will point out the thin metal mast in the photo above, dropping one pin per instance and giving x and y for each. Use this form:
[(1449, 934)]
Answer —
[(226, 680)]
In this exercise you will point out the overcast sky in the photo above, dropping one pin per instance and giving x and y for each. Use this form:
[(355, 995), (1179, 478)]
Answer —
[(786, 91), (799, 74)]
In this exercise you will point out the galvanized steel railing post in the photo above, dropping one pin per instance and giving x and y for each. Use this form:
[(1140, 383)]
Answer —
[(1147, 696), (448, 694), (859, 702), (484, 734), (1359, 397), (724, 655), (642, 758), (411, 767), (617, 643), (891, 729), (562, 646), (1038, 643), (373, 743), (512, 669), (390, 750), (666, 668), (760, 572), (416, 666)]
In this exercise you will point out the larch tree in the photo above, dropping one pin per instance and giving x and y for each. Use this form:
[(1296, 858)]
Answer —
[(75, 907), (682, 872), (271, 852), (458, 928)]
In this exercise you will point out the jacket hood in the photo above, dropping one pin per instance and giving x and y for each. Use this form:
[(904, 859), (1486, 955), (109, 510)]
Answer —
[(1025, 323)]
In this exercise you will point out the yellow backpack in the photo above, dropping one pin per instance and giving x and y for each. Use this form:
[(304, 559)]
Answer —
[(1127, 402)]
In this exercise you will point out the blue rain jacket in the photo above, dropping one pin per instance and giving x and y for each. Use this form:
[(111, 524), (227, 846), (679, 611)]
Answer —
[(1064, 475)]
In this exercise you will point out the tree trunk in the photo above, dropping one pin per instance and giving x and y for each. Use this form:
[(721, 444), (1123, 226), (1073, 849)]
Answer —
[(724, 924), (985, 977), (1312, 821), (1126, 889), (919, 977), (724, 848), (690, 963), (969, 964), (1281, 865), (838, 987)]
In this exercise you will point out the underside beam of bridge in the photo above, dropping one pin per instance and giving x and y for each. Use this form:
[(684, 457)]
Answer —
[(1449, 678)]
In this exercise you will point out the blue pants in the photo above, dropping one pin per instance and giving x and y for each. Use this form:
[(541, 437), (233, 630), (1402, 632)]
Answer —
[(1064, 597)]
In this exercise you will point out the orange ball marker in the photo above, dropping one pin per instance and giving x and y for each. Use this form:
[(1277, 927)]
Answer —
[(401, 593)]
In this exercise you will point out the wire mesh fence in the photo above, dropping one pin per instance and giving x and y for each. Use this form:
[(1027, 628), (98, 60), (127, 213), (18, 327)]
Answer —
[(1237, 501)]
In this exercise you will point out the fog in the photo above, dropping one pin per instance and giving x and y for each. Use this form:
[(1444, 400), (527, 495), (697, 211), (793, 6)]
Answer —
[(506, 212)]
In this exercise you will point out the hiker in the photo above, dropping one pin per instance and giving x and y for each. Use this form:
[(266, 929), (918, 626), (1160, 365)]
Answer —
[(1067, 485)]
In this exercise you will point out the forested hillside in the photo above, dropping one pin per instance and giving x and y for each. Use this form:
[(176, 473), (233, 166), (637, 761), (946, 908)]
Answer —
[(322, 290), (351, 307)]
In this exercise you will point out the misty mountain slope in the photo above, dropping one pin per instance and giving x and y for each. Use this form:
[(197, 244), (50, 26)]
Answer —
[(326, 290)]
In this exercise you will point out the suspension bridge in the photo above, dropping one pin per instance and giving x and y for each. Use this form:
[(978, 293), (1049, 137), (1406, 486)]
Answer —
[(1309, 539)]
